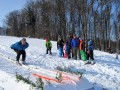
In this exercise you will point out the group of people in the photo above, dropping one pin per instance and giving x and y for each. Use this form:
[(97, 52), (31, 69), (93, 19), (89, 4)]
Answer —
[(73, 47)]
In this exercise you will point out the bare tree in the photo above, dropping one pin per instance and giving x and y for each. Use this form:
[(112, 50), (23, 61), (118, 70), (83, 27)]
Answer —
[(12, 22), (89, 19), (117, 27)]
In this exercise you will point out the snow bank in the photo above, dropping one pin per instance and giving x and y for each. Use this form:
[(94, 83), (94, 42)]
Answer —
[(8, 82)]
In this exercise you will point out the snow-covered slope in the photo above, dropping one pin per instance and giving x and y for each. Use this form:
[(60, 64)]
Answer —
[(104, 74), (8, 82)]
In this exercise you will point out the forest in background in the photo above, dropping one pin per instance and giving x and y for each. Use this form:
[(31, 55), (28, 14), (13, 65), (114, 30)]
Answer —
[(98, 20)]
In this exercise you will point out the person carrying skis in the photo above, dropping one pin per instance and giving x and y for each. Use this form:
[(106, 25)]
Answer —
[(75, 46), (19, 48), (60, 44), (90, 49), (48, 45)]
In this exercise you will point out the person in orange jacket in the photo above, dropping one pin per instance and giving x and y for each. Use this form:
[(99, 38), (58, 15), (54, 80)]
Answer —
[(82, 45)]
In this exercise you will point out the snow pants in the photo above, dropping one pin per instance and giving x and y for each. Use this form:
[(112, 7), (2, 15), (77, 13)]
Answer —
[(61, 54), (76, 52), (90, 55), (19, 53), (48, 49)]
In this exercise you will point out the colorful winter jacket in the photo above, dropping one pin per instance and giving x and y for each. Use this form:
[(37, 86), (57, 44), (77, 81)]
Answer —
[(48, 44), (75, 42), (90, 48), (19, 46), (82, 45)]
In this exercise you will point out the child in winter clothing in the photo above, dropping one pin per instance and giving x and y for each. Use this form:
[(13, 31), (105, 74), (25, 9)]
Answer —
[(19, 48), (66, 50), (48, 45), (90, 49), (60, 44)]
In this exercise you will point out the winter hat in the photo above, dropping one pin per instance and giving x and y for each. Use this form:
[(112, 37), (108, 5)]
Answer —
[(90, 42), (46, 39), (23, 40)]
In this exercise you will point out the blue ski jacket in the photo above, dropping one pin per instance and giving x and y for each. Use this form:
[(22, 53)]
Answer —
[(19, 46), (90, 48), (75, 42)]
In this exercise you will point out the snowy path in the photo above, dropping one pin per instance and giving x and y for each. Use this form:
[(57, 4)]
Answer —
[(105, 73)]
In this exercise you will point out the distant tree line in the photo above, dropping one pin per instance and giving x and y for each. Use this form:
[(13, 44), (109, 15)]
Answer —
[(2, 31), (98, 20)]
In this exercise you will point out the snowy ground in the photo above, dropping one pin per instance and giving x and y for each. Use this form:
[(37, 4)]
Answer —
[(104, 74), (8, 82)]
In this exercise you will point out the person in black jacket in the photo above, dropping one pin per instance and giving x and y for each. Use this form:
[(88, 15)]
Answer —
[(60, 44)]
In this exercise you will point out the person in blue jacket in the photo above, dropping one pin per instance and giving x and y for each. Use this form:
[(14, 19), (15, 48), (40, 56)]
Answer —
[(90, 49), (19, 48), (75, 46)]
